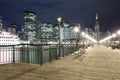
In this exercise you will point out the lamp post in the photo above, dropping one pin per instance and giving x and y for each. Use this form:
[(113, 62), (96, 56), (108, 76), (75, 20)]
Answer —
[(76, 29), (113, 36), (83, 39), (59, 19), (119, 37)]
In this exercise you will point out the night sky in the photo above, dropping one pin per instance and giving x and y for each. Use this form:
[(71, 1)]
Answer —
[(80, 11)]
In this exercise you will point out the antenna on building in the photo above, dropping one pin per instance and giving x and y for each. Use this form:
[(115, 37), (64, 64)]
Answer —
[(96, 16)]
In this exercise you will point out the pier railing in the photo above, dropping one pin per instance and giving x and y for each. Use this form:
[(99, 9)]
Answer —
[(34, 53)]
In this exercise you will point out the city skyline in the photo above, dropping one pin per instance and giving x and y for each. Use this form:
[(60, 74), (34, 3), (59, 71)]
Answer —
[(82, 12)]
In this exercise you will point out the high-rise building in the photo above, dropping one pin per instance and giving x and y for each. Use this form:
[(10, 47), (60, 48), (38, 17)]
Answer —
[(29, 25), (97, 28), (68, 33), (65, 32), (12, 28), (1, 23), (46, 31)]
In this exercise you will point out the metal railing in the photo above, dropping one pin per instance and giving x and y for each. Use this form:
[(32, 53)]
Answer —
[(36, 54)]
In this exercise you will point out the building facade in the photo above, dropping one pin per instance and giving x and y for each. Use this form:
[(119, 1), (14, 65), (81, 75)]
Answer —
[(29, 25), (68, 34), (12, 28), (1, 23)]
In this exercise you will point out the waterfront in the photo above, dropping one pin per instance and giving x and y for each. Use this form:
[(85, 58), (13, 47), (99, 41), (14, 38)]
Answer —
[(36, 54)]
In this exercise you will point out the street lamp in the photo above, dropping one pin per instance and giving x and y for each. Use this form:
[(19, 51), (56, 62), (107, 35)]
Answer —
[(83, 33), (118, 32), (113, 36), (83, 39), (76, 29), (59, 19)]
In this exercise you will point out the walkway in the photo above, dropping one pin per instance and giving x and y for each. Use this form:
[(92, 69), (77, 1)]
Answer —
[(98, 63)]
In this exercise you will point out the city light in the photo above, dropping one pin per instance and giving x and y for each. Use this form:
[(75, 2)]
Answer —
[(118, 32), (83, 33), (59, 19), (105, 39), (110, 37), (114, 35), (88, 37), (76, 29)]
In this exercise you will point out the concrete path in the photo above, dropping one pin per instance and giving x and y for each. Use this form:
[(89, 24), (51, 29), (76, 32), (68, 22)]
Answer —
[(98, 63)]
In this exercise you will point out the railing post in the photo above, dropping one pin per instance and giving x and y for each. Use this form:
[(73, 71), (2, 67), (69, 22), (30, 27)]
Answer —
[(56, 52), (13, 54), (67, 49), (38, 59), (27, 54), (50, 54), (41, 55), (63, 50)]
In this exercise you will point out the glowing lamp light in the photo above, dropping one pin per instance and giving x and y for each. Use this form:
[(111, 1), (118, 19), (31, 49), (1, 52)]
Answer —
[(118, 32), (59, 19), (105, 39), (88, 37), (83, 33), (114, 35), (76, 29)]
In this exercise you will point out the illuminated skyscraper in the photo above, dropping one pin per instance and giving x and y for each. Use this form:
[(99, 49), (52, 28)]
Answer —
[(12, 28), (1, 23), (97, 28), (29, 25)]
